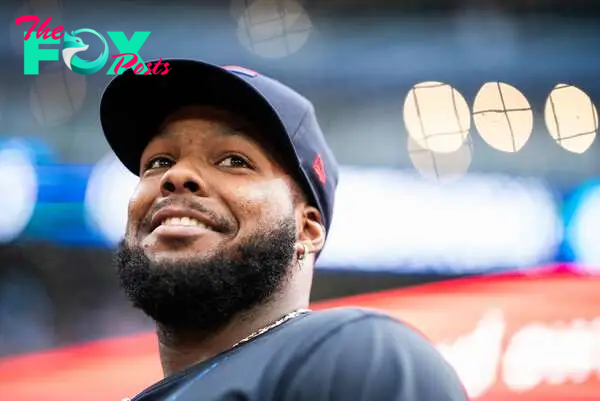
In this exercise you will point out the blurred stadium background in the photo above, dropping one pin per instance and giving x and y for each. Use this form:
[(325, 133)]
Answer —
[(469, 190)]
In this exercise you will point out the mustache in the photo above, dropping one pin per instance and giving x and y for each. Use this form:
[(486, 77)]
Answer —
[(220, 223)]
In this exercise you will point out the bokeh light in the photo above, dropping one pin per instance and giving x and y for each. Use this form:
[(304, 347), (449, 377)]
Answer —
[(19, 178), (107, 195), (437, 117), (503, 116), (441, 167), (473, 224), (583, 229), (273, 28), (571, 118)]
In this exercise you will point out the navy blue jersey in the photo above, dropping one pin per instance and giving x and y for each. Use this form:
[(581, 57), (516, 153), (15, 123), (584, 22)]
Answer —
[(343, 354)]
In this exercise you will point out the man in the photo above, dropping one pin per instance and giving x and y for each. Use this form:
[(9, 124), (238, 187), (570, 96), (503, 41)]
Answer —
[(234, 203)]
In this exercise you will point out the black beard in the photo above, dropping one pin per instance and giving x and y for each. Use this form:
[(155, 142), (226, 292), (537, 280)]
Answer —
[(201, 295)]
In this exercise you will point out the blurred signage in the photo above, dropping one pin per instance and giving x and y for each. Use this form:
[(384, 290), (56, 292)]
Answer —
[(510, 338)]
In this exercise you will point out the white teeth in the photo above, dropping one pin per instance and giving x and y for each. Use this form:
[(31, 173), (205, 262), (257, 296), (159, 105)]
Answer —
[(183, 221)]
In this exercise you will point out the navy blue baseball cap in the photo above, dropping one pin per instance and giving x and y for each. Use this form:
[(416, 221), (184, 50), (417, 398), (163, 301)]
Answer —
[(133, 107)]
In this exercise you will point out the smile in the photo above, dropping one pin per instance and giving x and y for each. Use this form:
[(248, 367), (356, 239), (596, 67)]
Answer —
[(183, 222), (179, 222)]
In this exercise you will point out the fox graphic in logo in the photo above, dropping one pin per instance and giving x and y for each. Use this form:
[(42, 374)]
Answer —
[(73, 44)]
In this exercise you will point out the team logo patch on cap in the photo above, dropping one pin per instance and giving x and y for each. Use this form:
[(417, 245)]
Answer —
[(241, 70), (319, 168)]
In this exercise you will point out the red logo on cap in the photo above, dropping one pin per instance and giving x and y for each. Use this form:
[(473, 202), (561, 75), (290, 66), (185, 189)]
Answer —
[(319, 168)]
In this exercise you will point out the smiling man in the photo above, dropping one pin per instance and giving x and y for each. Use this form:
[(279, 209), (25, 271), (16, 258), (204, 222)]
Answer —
[(233, 207)]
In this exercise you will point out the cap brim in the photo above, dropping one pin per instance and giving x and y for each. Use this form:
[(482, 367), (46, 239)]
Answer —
[(133, 106)]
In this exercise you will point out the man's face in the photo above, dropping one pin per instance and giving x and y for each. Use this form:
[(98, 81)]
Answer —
[(212, 225)]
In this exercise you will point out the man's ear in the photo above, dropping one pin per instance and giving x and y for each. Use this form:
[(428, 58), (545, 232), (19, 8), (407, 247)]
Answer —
[(312, 231)]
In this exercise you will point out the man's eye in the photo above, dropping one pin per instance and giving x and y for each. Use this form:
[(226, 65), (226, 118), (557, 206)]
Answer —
[(234, 161), (158, 162)]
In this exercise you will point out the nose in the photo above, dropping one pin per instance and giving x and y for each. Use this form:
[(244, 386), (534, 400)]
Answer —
[(181, 179)]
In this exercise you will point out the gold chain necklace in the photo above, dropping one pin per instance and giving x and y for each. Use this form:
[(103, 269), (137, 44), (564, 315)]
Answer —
[(279, 322)]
